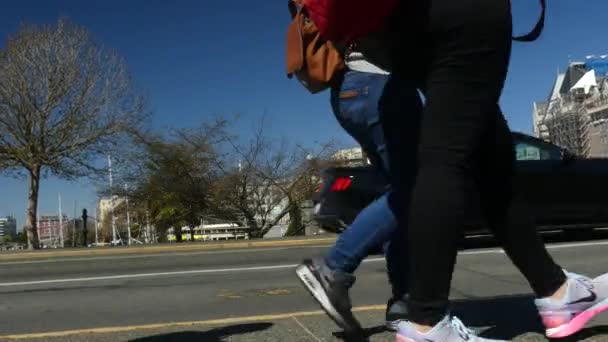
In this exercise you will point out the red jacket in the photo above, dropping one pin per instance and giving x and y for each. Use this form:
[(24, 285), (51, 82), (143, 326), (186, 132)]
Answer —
[(346, 20)]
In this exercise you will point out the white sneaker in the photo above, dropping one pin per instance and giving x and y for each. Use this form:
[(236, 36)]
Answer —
[(584, 299), (450, 329)]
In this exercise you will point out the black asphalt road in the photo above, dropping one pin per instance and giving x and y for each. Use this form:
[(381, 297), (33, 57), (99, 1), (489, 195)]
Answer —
[(238, 289)]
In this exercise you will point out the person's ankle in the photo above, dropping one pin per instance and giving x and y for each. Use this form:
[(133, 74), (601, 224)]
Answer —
[(561, 292), (422, 328), (331, 264)]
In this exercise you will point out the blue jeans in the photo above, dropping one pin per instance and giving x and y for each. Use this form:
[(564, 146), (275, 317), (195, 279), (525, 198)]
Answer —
[(355, 106)]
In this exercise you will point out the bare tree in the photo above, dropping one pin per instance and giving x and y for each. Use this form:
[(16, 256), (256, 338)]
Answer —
[(172, 175), (295, 172), (271, 181), (65, 100)]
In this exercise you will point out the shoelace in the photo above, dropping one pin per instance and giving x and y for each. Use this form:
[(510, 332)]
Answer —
[(585, 281), (464, 332)]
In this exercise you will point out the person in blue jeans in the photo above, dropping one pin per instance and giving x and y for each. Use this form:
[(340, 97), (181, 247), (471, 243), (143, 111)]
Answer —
[(355, 104)]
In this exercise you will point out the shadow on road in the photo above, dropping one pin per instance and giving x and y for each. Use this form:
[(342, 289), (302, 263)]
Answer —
[(368, 332), (503, 317), (214, 335)]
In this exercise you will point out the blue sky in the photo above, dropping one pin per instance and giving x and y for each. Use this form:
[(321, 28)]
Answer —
[(196, 58)]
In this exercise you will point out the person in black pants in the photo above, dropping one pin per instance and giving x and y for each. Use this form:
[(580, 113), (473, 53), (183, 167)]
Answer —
[(458, 53)]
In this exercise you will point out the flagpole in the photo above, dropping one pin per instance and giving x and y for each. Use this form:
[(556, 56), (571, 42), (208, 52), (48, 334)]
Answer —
[(61, 224)]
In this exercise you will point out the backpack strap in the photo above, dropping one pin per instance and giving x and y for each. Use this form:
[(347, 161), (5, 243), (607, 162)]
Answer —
[(295, 6), (538, 29)]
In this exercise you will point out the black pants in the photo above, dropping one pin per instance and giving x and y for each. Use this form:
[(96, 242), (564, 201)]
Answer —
[(458, 54)]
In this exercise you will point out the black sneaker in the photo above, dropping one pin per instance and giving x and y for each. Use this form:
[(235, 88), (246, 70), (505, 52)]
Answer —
[(396, 312), (330, 289)]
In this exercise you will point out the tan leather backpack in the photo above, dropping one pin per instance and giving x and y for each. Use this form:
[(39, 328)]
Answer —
[(315, 62)]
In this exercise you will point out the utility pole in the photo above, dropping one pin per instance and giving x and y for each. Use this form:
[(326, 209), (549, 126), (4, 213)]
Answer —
[(61, 224), (128, 217), (112, 201)]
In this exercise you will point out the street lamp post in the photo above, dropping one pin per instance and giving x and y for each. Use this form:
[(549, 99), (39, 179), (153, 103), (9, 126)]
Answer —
[(96, 228)]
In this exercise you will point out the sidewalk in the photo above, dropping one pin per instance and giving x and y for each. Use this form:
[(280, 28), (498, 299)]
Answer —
[(296, 327)]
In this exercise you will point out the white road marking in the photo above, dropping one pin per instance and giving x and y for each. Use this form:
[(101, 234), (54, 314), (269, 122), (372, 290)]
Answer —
[(579, 244), (483, 251), (306, 329), (160, 274), (147, 275), (256, 268)]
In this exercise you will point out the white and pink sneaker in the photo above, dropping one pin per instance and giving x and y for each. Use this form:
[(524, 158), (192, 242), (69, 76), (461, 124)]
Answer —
[(450, 329), (584, 299)]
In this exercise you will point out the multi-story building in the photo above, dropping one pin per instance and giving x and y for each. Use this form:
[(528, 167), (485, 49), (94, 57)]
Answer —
[(8, 227), (104, 211), (351, 156), (575, 115)]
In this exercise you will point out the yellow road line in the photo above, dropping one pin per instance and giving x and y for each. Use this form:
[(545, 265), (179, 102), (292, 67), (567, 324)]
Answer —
[(165, 248), (221, 321)]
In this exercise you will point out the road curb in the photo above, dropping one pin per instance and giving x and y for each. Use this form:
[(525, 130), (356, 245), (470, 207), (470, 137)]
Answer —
[(165, 248)]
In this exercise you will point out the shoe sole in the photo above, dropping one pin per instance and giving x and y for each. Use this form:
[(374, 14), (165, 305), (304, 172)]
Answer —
[(578, 322), (403, 339), (393, 325), (312, 284)]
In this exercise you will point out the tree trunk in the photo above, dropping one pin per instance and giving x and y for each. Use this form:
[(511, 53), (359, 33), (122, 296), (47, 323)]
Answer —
[(255, 232), (295, 221), (31, 226), (192, 233), (162, 237), (178, 234)]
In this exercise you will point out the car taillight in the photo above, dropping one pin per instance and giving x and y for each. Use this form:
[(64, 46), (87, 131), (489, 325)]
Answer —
[(341, 184)]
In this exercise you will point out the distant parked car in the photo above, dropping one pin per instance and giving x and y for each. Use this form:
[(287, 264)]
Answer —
[(562, 190)]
